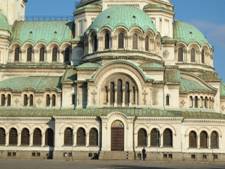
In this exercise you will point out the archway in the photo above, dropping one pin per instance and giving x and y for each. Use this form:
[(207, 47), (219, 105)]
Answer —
[(117, 136)]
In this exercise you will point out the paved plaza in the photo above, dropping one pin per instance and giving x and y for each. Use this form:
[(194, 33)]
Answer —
[(44, 164)]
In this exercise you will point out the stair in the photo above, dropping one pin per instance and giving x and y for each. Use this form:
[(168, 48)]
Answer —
[(116, 155)]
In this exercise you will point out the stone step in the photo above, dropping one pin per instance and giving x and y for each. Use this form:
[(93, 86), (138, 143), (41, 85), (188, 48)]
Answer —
[(115, 155)]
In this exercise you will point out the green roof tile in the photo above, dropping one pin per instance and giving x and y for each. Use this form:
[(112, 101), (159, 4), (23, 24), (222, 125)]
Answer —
[(36, 83), (222, 89), (88, 66), (4, 25), (126, 16), (42, 31)]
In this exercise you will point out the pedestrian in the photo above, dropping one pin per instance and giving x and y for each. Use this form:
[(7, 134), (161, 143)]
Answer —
[(143, 154)]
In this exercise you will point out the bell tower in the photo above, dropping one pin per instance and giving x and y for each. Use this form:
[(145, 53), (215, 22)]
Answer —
[(14, 10)]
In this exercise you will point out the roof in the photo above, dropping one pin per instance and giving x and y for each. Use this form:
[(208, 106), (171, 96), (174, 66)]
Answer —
[(125, 16), (36, 83), (187, 33), (222, 89), (4, 25), (42, 31), (88, 66), (152, 66)]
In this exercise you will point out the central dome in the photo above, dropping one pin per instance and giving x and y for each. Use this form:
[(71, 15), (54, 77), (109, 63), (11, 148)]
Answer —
[(124, 16)]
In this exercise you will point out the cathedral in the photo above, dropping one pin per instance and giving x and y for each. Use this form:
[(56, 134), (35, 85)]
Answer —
[(120, 77)]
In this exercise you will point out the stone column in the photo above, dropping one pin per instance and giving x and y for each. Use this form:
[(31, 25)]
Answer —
[(131, 98), (87, 139), (19, 139), (75, 138), (123, 99), (31, 139), (148, 140), (115, 102), (7, 139), (43, 140)]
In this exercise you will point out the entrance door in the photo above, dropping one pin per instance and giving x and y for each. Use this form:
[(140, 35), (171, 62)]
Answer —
[(117, 136)]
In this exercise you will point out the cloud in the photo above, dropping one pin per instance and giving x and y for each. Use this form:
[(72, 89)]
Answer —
[(215, 32)]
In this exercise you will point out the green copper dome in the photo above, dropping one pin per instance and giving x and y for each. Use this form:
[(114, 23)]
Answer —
[(187, 33), (126, 16), (4, 25)]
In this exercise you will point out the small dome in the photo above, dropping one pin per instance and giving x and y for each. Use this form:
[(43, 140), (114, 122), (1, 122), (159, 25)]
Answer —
[(187, 33), (126, 16), (4, 25)]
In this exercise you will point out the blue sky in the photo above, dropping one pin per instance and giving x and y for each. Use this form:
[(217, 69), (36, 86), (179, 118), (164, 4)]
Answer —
[(207, 15)]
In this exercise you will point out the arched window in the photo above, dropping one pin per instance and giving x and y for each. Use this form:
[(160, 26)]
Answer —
[(2, 136), (93, 137), (193, 54), (3, 100), (48, 100), (67, 53), (127, 94), (25, 137), (119, 92), (17, 54), (203, 139), (135, 41), (108, 40), (49, 137), (193, 139), (68, 137), (112, 93), (155, 138), (203, 56), (31, 100), (196, 101), (13, 137), (9, 100), (94, 41), (142, 138), (121, 39), (81, 137), (181, 54), (147, 43), (206, 102), (134, 95), (37, 137), (214, 140), (29, 54), (53, 100), (106, 94), (25, 100), (167, 100), (42, 54), (168, 138), (54, 54)]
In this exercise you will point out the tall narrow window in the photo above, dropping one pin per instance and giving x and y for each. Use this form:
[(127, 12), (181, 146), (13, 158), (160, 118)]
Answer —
[(9, 100), (168, 138), (191, 102), (193, 53), (93, 137), (3, 100), (42, 54), (94, 40), (155, 138), (54, 54), (29, 54), (203, 56), (135, 41), (203, 139), (127, 93), (147, 43), (134, 95), (112, 93), (48, 100), (68, 137), (121, 40), (2, 136), (119, 92), (81, 137), (193, 141), (196, 101), (214, 140), (25, 137), (49, 137), (53, 100), (37, 137), (67, 54), (13, 137), (167, 100), (142, 138), (108, 40), (206, 102), (181, 54), (106, 94), (31, 100), (17, 54), (25, 100)]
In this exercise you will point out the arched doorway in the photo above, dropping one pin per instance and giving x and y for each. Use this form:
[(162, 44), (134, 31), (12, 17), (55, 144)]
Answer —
[(117, 136)]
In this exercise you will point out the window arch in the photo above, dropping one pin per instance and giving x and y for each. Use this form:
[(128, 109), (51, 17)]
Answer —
[(2, 136), (37, 137), (67, 54), (29, 53), (193, 141), (49, 137), (203, 56), (9, 100), (180, 54), (193, 55), (203, 139), (68, 137), (17, 54), (94, 41), (135, 41), (81, 137), (93, 137), (147, 43), (142, 138), (25, 100), (25, 137), (53, 100), (3, 100), (31, 100), (42, 54), (48, 100), (167, 100), (54, 54), (119, 92), (108, 40), (214, 140), (121, 39), (168, 138), (13, 137), (155, 138)]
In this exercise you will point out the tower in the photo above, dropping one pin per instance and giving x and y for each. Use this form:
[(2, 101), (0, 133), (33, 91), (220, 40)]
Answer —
[(14, 10)]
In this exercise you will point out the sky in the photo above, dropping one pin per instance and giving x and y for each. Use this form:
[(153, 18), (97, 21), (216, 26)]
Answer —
[(207, 15)]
